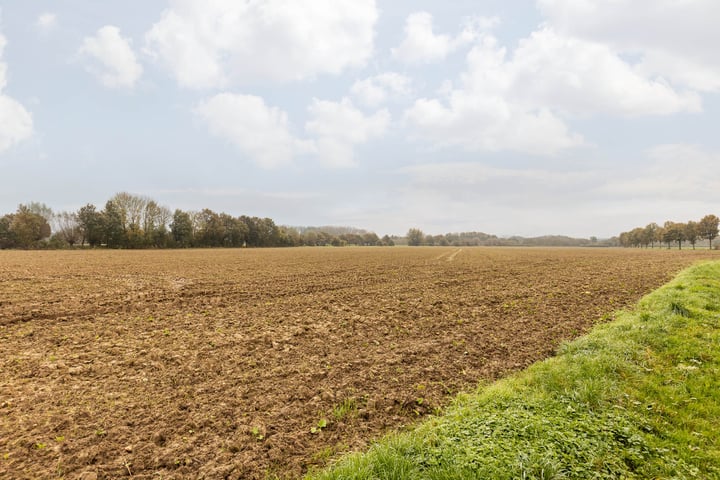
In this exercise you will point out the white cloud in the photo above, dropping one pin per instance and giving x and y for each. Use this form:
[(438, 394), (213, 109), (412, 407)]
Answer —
[(15, 121), (377, 90), (490, 124), (581, 76), (340, 126), (481, 114), (520, 103), (46, 21), (223, 42), (675, 39), (114, 63), (265, 135), (422, 45), (260, 132)]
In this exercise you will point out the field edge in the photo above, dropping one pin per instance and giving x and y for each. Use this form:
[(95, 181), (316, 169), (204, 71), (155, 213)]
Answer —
[(635, 398)]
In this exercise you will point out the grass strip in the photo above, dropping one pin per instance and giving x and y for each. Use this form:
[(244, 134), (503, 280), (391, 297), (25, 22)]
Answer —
[(635, 398)]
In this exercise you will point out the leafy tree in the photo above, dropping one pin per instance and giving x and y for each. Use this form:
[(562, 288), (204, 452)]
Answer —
[(637, 237), (674, 232), (235, 231), (91, 225), (691, 232), (650, 234), (182, 229), (289, 237), (28, 228), (659, 234), (268, 233), (253, 237), (351, 239), (371, 239), (40, 209), (415, 237), (7, 237), (155, 222), (211, 230), (311, 238), (708, 227), (387, 241), (115, 233)]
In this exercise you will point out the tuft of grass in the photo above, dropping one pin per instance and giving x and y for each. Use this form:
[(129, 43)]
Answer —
[(347, 408), (635, 398)]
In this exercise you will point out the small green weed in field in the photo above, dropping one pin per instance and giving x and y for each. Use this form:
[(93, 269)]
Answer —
[(321, 424), (256, 432), (347, 407)]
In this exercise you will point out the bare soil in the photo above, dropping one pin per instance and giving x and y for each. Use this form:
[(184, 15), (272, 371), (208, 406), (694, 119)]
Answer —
[(265, 363)]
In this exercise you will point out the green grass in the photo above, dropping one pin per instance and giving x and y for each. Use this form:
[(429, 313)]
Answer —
[(636, 398)]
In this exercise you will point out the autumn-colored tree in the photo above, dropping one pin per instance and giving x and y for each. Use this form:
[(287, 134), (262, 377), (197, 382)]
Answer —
[(692, 231), (650, 234), (28, 228), (40, 209), (708, 227), (674, 232)]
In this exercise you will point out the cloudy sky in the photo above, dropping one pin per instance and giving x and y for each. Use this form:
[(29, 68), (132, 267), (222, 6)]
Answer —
[(577, 117)]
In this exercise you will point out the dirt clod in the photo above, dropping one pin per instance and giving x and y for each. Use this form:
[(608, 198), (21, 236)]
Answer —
[(259, 363)]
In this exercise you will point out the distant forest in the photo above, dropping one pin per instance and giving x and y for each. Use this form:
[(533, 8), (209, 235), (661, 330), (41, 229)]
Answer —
[(132, 221), (416, 237)]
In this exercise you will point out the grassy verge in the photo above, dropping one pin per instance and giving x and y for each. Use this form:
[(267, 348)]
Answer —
[(637, 398)]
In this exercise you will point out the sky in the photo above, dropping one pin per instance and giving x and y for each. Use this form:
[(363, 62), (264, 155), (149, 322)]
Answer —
[(575, 117)]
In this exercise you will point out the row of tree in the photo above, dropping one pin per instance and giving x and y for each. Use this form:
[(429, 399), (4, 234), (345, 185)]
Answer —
[(416, 237), (132, 221), (671, 233)]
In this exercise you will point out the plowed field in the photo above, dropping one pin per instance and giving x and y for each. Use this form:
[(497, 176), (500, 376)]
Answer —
[(262, 363)]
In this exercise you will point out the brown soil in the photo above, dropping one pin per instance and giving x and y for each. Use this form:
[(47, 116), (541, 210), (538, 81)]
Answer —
[(223, 363)]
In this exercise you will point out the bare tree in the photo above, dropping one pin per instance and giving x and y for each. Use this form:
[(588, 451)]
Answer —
[(132, 208), (66, 226)]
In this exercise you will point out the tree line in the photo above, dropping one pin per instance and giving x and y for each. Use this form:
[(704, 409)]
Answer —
[(416, 237), (672, 233), (132, 221)]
